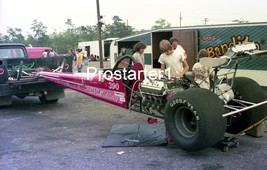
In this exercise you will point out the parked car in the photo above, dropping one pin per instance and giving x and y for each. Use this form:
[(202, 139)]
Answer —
[(92, 58), (37, 52)]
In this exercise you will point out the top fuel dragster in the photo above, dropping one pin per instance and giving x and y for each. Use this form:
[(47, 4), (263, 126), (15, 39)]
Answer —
[(195, 118)]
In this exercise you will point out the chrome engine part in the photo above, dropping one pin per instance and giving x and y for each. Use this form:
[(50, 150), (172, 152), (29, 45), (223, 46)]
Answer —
[(154, 92), (156, 87)]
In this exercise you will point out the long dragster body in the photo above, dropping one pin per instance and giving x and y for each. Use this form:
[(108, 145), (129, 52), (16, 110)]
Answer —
[(195, 118)]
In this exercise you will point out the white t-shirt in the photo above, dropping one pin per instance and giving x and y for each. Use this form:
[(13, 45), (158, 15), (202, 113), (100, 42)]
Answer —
[(139, 58), (52, 54), (45, 54), (202, 75), (173, 61), (180, 48), (85, 53)]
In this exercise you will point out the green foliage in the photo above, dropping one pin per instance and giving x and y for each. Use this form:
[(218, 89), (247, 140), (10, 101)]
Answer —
[(117, 29), (39, 33), (161, 23), (61, 41), (13, 35), (87, 33), (69, 23), (30, 41), (141, 31)]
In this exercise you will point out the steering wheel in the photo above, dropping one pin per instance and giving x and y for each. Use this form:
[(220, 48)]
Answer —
[(125, 62)]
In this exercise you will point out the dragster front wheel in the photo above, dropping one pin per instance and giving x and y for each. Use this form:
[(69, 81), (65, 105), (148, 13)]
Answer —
[(193, 119)]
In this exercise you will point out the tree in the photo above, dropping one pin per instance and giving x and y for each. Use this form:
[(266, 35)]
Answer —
[(61, 41), (240, 21), (161, 23), (69, 23), (141, 31), (39, 33), (87, 33), (15, 35), (117, 29), (30, 41)]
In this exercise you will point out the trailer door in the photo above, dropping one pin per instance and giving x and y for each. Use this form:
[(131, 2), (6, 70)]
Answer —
[(188, 40)]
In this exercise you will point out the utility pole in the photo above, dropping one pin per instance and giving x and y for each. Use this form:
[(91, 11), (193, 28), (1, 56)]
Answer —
[(180, 19), (99, 25), (205, 21)]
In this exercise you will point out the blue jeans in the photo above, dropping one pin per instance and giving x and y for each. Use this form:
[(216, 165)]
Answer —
[(79, 68)]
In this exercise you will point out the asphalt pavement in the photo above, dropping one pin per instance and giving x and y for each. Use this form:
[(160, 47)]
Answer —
[(69, 134)]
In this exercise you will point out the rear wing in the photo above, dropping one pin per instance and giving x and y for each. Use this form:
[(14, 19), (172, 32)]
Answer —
[(244, 51), (234, 53)]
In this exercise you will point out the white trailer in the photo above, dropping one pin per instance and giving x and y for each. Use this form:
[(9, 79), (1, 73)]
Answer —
[(92, 47)]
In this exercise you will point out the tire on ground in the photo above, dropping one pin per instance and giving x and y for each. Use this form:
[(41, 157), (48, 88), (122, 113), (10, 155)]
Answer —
[(44, 100), (5, 101), (248, 90), (193, 119)]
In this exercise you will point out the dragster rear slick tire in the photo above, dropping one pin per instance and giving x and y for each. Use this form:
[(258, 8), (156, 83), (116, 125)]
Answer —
[(248, 90), (193, 119)]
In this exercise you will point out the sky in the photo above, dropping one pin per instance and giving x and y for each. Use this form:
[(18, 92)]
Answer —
[(140, 14)]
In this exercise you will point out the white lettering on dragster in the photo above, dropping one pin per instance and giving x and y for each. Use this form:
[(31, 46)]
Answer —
[(113, 86)]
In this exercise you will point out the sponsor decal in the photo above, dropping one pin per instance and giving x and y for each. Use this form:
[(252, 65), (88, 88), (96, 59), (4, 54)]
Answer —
[(207, 38), (215, 51)]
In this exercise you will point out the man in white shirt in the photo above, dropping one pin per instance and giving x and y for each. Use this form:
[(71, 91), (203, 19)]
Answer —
[(175, 60), (174, 42)]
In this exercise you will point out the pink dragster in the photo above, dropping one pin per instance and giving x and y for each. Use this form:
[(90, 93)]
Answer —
[(195, 118)]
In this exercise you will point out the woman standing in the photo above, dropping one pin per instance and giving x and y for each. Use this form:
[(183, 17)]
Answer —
[(79, 61), (139, 49)]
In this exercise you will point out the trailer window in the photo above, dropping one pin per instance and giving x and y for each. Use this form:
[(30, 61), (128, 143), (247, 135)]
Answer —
[(12, 53)]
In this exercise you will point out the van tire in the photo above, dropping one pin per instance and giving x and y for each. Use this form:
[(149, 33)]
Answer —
[(5, 101), (44, 100)]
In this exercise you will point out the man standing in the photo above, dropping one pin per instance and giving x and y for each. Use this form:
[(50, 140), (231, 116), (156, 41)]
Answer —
[(72, 54), (174, 42)]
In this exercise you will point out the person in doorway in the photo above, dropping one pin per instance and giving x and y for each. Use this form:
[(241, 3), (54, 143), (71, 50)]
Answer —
[(175, 45), (85, 53), (139, 49), (173, 59), (79, 61), (202, 74)]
